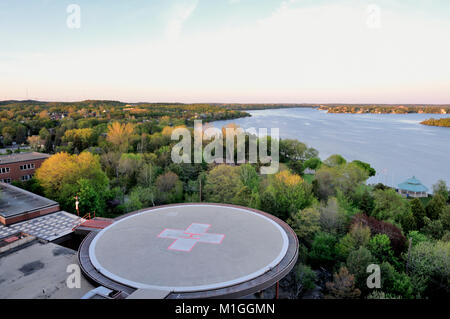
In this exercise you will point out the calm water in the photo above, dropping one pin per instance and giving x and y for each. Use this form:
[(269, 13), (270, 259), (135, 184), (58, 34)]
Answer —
[(396, 145)]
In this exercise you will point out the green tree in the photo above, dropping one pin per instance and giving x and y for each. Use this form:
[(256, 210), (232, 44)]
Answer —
[(305, 223), (359, 236), (335, 160), (223, 183), (441, 188), (285, 194), (431, 260), (357, 262), (306, 276), (435, 206), (371, 171), (380, 247), (418, 211), (322, 251)]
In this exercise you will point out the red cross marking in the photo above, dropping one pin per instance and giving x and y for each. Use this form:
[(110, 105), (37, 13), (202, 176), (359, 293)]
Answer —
[(185, 240)]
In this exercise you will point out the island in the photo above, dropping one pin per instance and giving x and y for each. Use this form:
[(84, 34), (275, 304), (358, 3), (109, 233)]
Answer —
[(443, 122)]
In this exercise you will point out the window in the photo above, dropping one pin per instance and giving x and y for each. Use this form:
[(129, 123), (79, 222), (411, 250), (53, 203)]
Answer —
[(26, 177), (26, 167), (4, 170), (6, 180)]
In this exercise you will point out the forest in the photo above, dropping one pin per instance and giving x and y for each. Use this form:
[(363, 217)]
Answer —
[(116, 158), (444, 122)]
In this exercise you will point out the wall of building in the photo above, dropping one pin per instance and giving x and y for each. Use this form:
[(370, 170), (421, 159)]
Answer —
[(15, 173)]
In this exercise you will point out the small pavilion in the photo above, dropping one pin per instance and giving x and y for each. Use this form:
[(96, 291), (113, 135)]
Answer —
[(412, 187)]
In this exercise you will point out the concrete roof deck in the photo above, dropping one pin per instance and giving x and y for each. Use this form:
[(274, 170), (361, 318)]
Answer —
[(15, 201), (39, 271)]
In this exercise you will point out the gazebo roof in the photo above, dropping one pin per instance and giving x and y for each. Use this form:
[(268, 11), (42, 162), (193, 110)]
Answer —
[(413, 185)]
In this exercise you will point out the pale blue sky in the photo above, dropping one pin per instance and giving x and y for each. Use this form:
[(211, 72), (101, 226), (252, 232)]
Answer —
[(227, 51)]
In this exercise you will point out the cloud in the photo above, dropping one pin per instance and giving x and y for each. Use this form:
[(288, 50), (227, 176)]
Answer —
[(180, 13)]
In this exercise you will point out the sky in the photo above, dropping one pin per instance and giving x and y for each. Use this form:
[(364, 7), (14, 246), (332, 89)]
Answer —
[(228, 51)]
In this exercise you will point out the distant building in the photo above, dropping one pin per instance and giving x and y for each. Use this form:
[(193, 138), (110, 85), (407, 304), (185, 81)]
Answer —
[(21, 166), (412, 187)]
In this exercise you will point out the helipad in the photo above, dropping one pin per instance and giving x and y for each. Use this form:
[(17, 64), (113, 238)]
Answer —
[(191, 250)]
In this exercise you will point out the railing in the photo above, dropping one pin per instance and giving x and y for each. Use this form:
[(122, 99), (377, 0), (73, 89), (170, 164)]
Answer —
[(83, 220)]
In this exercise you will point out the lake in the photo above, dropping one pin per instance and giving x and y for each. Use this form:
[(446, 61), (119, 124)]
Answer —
[(396, 145)]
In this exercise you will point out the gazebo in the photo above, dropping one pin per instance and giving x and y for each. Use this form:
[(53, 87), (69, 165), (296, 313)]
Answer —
[(412, 187)]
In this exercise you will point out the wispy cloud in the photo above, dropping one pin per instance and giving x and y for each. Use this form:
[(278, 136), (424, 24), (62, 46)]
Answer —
[(180, 13)]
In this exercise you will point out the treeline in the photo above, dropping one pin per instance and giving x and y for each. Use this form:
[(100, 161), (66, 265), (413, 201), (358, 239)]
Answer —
[(444, 122), (385, 109), (21, 119), (343, 225)]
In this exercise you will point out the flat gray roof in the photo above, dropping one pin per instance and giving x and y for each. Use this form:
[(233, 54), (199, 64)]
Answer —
[(22, 157), (17, 201), (39, 271)]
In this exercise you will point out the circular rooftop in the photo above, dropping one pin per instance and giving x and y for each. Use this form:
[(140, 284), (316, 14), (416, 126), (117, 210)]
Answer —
[(191, 250)]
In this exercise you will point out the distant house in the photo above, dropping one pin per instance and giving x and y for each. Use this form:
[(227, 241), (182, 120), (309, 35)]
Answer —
[(412, 187)]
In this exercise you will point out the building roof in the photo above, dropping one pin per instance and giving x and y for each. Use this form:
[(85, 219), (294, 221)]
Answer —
[(22, 157), (413, 185), (16, 201)]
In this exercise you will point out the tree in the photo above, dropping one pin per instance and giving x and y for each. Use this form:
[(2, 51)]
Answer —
[(335, 160), (342, 286), (323, 249), (223, 183), (62, 168), (433, 228), (332, 218), (389, 205), (441, 188), (306, 276), (357, 262), (380, 247), (119, 135), (305, 223), (431, 260), (169, 188), (398, 241), (285, 194), (35, 143), (394, 282), (371, 171), (359, 236), (292, 150), (445, 218), (418, 212), (344, 177), (80, 138), (435, 206), (312, 163)]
